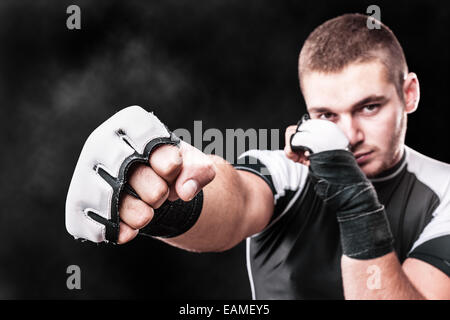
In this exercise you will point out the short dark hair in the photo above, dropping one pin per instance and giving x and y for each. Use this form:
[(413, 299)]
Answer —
[(347, 39)]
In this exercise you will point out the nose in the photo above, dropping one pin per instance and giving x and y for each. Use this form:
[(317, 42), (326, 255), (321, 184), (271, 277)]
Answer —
[(352, 130)]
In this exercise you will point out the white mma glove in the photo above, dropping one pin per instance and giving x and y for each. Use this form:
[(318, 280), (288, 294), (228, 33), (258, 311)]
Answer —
[(92, 204), (318, 135)]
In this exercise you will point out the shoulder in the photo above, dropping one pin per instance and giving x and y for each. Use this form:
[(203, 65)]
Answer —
[(283, 173), (286, 178), (433, 173), (436, 176)]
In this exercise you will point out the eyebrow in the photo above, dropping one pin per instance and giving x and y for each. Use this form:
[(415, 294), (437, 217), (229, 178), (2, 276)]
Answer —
[(364, 101)]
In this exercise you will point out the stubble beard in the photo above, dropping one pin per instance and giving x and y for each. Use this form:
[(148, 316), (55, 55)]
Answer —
[(393, 152)]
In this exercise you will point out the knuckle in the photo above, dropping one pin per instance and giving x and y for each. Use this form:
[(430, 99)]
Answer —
[(135, 212), (287, 135), (291, 129), (170, 166), (128, 205), (126, 234), (158, 190), (138, 171), (143, 217), (124, 202)]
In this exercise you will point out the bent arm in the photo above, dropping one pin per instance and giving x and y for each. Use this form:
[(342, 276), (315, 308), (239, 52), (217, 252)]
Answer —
[(385, 278), (237, 204), (379, 278)]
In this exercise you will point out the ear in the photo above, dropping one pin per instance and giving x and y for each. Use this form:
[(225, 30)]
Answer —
[(411, 92)]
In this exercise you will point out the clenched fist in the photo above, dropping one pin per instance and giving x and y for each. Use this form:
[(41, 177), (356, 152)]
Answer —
[(130, 167)]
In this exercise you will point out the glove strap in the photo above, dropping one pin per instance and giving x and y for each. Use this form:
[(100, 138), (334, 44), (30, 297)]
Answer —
[(118, 184)]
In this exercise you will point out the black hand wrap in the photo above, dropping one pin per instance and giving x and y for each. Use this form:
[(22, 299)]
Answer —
[(174, 218), (364, 228)]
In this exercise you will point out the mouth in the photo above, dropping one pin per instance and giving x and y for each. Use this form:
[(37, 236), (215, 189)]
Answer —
[(362, 157)]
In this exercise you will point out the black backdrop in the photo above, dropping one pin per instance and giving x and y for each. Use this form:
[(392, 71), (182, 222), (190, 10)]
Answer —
[(229, 63)]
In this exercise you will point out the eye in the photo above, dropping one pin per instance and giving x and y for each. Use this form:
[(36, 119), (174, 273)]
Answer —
[(370, 108), (326, 116)]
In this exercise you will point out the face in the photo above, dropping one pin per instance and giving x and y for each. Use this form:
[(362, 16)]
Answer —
[(367, 107)]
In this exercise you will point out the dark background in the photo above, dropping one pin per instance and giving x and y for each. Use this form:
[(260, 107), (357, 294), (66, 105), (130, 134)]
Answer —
[(230, 63)]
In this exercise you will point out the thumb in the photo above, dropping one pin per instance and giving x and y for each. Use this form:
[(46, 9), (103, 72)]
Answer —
[(188, 189), (291, 130), (198, 170)]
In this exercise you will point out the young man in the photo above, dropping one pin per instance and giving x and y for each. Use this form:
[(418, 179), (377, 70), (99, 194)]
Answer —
[(299, 244)]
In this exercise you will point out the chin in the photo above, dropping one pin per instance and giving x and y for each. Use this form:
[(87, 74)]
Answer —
[(372, 168)]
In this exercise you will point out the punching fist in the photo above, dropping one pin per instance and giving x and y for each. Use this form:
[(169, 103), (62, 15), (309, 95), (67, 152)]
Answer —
[(133, 175)]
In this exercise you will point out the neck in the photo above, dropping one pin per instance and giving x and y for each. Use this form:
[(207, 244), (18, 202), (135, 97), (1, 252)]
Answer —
[(393, 168)]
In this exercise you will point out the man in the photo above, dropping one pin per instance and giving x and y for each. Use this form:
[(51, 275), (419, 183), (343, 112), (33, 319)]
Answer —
[(303, 242)]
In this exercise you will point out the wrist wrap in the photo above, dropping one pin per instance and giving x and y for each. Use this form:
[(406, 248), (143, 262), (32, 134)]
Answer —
[(364, 228), (174, 218)]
